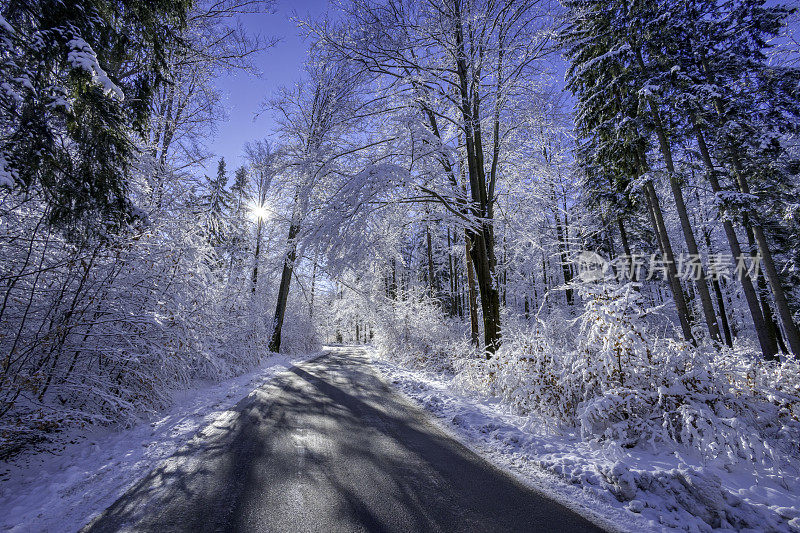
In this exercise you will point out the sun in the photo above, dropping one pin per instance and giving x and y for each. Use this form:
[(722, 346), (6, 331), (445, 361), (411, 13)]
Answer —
[(258, 211)]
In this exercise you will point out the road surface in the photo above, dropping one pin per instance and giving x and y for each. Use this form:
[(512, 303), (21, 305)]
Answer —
[(328, 446)]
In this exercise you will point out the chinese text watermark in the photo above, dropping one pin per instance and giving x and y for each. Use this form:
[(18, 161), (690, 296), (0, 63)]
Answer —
[(592, 266)]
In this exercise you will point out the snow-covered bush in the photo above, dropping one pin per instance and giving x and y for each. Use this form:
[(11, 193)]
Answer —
[(620, 383), (99, 330), (416, 330), (299, 333)]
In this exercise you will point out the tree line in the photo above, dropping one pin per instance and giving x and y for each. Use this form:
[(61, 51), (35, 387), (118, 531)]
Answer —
[(460, 152)]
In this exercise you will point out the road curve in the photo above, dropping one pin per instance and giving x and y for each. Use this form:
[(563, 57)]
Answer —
[(328, 446)]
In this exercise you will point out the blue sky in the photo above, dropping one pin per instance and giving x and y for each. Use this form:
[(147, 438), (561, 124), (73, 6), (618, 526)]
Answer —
[(243, 94), (280, 65)]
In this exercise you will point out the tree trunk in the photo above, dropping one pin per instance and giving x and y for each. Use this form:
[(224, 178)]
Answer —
[(393, 283), (686, 227), (773, 329), (781, 303), (723, 317), (691, 243), (451, 270), (666, 250), (313, 288), (256, 254), (482, 236), (765, 340), (623, 237), (790, 328), (544, 277), (431, 271), (473, 298), (490, 297), (283, 290), (562, 250)]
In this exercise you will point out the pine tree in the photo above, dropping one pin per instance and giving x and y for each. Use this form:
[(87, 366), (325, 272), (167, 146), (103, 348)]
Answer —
[(219, 197), (216, 205), (604, 75), (78, 80), (749, 124), (239, 187), (710, 64)]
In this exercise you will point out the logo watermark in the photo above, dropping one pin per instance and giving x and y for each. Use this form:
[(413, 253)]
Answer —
[(591, 266)]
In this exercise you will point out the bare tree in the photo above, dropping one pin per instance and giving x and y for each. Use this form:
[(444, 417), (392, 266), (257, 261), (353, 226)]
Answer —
[(263, 166), (318, 120), (186, 110), (461, 64)]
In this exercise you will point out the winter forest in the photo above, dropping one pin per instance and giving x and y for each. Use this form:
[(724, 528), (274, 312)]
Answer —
[(568, 230)]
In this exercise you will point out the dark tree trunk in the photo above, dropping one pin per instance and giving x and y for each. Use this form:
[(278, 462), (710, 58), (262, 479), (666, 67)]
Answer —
[(686, 226), (565, 267), (472, 296), (481, 236), (255, 256), (431, 271), (283, 289), (765, 340), (771, 272), (790, 328), (666, 250)]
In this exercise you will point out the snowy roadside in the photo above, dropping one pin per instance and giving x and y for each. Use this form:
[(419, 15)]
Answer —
[(62, 491), (626, 490)]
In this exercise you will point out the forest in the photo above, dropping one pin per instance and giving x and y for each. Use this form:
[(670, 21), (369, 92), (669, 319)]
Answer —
[(586, 210)]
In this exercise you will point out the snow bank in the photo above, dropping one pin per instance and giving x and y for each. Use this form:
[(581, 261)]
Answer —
[(62, 490)]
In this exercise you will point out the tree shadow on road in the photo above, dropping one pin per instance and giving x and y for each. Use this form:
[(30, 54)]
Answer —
[(329, 446)]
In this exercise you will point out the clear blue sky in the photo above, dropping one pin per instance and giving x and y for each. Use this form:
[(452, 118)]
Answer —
[(243, 94), (280, 65)]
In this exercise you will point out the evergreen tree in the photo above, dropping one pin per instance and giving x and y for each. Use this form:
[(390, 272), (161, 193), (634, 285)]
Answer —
[(239, 187), (709, 65), (219, 197), (604, 75), (78, 78), (240, 181), (216, 205)]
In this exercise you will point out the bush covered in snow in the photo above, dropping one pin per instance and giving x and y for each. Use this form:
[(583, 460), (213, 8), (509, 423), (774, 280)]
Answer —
[(299, 333), (98, 331), (416, 330), (620, 383)]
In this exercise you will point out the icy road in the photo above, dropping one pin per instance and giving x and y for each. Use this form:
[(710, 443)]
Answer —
[(328, 446)]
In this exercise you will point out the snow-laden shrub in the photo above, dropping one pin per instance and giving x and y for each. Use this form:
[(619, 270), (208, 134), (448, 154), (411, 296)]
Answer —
[(620, 383), (640, 388), (299, 333), (415, 330), (526, 373)]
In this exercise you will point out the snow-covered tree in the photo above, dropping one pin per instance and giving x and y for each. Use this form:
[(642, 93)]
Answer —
[(78, 79)]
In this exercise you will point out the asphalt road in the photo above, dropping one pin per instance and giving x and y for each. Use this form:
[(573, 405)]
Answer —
[(328, 446)]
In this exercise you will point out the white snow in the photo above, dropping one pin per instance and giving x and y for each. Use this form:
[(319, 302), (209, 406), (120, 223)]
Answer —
[(83, 57), (8, 176), (62, 490), (630, 489)]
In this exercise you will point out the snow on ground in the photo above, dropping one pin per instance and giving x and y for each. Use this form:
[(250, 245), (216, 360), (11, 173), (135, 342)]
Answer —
[(63, 490), (621, 489)]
